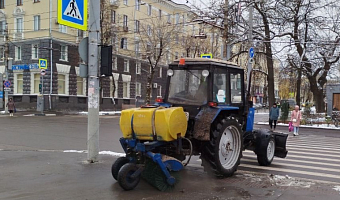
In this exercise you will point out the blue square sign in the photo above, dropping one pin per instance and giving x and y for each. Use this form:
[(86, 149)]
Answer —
[(73, 13)]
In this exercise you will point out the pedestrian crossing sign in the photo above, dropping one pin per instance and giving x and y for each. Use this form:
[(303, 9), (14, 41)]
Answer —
[(73, 13), (42, 64)]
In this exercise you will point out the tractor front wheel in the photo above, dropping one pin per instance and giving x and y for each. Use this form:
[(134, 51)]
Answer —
[(117, 165), (221, 155), (125, 179), (267, 156)]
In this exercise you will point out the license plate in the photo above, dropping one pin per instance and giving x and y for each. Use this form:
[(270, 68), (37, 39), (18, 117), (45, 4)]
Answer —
[(187, 115)]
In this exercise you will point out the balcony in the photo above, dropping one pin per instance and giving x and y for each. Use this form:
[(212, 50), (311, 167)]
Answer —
[(114, 3)]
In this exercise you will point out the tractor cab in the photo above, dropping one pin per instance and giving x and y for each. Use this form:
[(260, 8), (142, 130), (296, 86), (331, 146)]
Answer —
[(199, 82)]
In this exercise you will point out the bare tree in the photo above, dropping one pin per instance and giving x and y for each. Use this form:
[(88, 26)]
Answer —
[(107, 36), (156, 38), (313, 29)]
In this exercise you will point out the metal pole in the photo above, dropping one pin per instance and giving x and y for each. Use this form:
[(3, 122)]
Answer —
[(6, 67), (250, 40), (93, 84), (225, 34), (42, 92), (51, 58)]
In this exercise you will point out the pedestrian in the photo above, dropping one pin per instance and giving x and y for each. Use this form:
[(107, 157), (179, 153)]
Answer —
[(273, 116), (295, 119), (11, 107)]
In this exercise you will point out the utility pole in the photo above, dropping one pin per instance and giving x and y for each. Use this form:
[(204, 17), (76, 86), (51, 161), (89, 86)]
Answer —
[(51, 57), (225, 33), (6, 67), (250, 40), (93, 83)]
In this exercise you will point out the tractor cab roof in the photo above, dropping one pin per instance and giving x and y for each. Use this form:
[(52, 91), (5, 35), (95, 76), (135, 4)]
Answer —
[(204, 61)]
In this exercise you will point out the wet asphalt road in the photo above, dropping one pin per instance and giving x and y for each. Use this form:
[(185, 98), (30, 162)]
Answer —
[(22, 138)]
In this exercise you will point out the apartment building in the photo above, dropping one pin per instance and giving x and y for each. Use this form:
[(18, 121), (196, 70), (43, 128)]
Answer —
[(33, 33)]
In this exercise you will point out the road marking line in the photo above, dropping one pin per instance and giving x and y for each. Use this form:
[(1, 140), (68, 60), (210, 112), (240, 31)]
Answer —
[(316, 154), (292, 171), (335, 144), (294, 165), (312, 147), (304, 157), (313, 150), (299, 161)]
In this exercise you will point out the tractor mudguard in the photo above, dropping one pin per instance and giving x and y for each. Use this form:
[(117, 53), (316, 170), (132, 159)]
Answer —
[(205, 118), (262, 138)]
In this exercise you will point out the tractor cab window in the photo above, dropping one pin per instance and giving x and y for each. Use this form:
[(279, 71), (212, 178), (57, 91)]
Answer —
[(188, 87), (220, 87), (236, 87)]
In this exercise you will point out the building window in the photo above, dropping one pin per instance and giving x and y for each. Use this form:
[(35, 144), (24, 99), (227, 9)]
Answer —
[(62, 28), (125, 21), (80, 86), (126, 89), (159, 91), (138, 89), (149, 9), (126, 66), (160, 72), (138, 68), (2, 27), (125, 2), (169, 18), (2, 4), (137, 48), (64, 52), (177, 39), (61, 84), (35, 51), (176, 55), (114, 63), (36, 1), (19, 25), (19, 2), (123, 43), (137, 4), (113, 16), (36, 23), (160, 13), (19, 86), (137, 26), (2, 54), (177, 18), (17, 53), (148, 30), (36, 83)]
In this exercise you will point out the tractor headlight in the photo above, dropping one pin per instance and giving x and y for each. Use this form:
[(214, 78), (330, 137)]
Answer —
[(205, 73), (170, 72)]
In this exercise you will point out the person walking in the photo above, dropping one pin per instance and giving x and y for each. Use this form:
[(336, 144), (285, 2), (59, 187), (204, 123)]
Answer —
[(11, 107), (296, 118), (273, 116)]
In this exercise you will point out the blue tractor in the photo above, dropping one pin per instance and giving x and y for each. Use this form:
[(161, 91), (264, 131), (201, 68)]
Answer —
[(219, 118)]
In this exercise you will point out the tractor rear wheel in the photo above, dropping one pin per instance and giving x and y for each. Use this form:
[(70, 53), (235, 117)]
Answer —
[(221, 155)]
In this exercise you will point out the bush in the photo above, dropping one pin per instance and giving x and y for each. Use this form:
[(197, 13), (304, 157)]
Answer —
[(284, 111)]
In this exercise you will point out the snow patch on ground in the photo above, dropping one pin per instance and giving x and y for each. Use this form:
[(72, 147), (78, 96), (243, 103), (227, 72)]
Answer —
[(2, 112), (111, 153), (75, 151), (287, 181), (337, 188), (103, 113), (252, 177), (320, 126)]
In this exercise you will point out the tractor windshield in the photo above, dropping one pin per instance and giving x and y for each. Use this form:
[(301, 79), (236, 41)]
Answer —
[(188, 87)]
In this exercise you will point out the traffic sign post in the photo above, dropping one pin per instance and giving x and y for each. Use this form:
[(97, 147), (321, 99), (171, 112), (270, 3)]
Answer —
[(7, 84), (42, 64), (73, 13)]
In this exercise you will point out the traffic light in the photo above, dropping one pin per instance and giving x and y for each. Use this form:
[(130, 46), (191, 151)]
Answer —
[(106, 61), (40, 88)]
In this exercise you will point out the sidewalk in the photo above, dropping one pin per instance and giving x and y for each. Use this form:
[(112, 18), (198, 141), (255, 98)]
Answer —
[(60, 113), (47, 174), (316, 126)]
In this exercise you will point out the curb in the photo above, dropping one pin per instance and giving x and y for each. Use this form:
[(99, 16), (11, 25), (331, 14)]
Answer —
[(303, 126), (40, 114)]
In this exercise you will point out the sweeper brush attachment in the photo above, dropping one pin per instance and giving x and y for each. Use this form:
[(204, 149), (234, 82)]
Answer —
[(154, 175)]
